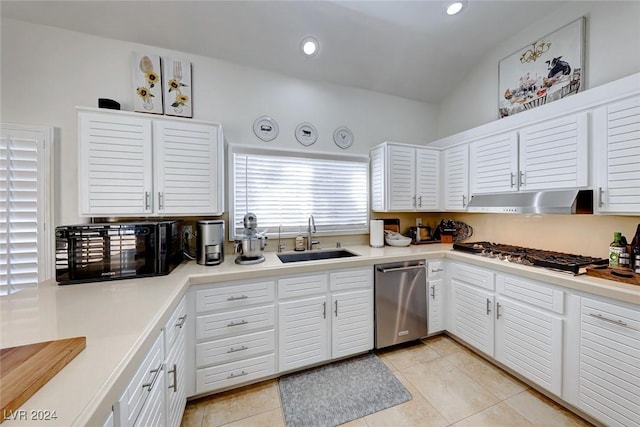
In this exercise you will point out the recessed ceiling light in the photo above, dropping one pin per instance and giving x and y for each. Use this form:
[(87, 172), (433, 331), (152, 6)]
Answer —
[(309, 46), (455, 7)]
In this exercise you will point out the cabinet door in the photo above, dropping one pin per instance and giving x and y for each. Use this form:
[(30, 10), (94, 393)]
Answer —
[(529, 341), (378, 179), (494, 168), (302, 328), (472, 317), (402, 178), (435, 305), (617, 133), (351, 322), (187, 168), (175, 383), (115, 164), (427, 179), (609, 383), (554, 154), (456, 178)]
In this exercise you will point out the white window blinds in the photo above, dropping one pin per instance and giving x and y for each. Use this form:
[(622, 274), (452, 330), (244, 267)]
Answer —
[(285, 188), (24, 208)]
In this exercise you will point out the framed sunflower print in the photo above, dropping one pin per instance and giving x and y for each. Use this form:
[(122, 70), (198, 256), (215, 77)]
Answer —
[(177, 87), (147, 83)]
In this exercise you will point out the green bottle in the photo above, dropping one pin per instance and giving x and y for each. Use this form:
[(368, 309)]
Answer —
[(616, 248)]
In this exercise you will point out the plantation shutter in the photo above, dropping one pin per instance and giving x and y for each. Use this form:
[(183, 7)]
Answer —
[(22, 224), (284, 188)]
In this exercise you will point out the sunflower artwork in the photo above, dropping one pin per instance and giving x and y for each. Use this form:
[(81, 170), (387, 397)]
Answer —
[(177, 89), (147, 83)]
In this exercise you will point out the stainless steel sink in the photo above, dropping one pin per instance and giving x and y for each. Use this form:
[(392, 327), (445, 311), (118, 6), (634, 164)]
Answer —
[(316, 255)]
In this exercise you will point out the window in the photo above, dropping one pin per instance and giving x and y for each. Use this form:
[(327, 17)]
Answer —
[(25, 207), (283, 188)]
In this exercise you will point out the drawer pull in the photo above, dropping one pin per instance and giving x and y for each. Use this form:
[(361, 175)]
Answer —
[(233, 350), (156, 374), (241, 374), (615, 322), (324, 310), (497, 310), (237, 298), (174, 371), (433, 291), (242, 322), (437, 270), (181, 321), (488, 306)]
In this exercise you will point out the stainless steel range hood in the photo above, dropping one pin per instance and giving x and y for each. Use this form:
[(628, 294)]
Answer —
[(535, 202)]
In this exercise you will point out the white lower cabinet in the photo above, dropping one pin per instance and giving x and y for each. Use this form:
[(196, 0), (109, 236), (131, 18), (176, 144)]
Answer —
[(324, 316), (435, 297), (609, 382), (175, 368), (234, 333)]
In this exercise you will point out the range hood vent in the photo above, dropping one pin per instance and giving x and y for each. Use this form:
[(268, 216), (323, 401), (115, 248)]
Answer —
[(534, 202)]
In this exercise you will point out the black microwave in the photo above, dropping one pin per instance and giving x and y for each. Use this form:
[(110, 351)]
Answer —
[(111, 251)]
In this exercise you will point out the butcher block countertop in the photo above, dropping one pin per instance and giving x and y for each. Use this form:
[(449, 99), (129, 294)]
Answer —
[(121, 319)]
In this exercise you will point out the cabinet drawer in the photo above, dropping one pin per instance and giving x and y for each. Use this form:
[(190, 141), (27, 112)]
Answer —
[(351, 279), (473, 276), (175, 324), (148, 377), (234, 322), (302, 286), (234, 348), (435, 269), (229, 374), (533, 293), (235, 295)]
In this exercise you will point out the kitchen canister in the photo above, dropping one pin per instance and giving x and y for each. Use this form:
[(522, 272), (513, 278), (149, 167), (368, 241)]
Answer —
[(376, 233)]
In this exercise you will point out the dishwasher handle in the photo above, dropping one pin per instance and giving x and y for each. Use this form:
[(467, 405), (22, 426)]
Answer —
[(391, 270)]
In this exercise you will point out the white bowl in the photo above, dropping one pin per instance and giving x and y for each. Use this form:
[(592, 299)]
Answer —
[(405, 241)]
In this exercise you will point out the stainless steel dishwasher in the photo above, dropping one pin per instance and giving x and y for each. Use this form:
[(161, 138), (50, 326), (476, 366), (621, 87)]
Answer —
[(400, 302)]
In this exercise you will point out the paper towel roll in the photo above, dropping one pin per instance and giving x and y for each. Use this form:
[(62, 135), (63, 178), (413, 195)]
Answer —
[(376, 233)]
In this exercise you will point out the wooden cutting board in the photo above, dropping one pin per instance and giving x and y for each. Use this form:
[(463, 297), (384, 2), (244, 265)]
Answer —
[(24, 369), (618, 274)]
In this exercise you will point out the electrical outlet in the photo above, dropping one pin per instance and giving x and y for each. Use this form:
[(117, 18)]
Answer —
[(418, 222)]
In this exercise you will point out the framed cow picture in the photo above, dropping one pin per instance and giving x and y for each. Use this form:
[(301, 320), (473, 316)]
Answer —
[(549, 69)]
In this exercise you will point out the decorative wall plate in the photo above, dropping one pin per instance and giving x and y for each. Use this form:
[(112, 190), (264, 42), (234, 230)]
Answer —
[(306, 133), (265, 128), (343, 137)]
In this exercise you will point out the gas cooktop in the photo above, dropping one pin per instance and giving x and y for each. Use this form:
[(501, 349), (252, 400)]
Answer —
[(564, 262)]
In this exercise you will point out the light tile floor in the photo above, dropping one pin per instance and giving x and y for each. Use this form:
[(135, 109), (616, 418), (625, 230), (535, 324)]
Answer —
[(451, 386)]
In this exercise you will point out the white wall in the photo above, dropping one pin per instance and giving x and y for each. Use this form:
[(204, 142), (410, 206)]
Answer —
[(46, 72), (612, 52)]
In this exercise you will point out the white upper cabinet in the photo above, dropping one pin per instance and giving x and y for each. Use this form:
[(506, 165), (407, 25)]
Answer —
[(131, 164), (456, 178), (554, 154), (494, 165), (617, 139), (405, 178)]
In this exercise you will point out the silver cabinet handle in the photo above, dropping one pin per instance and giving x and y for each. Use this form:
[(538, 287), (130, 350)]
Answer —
[(147, 201), (233, 350), (615, 322), (413, 201), (174, 371), (488, 306), (513, 179), (232, 298), (241, 374), (420, 201), (181, 321), (324, 310), (497, 310), (464, 201), (242, 322), (600, 201), (160, 200), (336, 304), (521, 183), (433, 291), (156, 373), (437, 270)]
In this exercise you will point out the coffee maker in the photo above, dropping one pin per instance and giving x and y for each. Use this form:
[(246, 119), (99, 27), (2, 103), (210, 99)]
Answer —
[(210, 242), (252, 244)]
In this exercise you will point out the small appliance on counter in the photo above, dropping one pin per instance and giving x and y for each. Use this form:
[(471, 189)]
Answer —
[(252, 244), (210, 242), (110, 251)]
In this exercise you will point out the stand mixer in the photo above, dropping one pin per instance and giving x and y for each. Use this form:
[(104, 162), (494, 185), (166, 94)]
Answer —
[(252, 244)]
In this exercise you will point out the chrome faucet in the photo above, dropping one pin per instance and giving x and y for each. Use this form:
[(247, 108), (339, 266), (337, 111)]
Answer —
[(311, 228)]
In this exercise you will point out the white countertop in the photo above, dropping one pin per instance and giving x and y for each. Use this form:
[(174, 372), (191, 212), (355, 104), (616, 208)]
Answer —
[(122, 318)]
